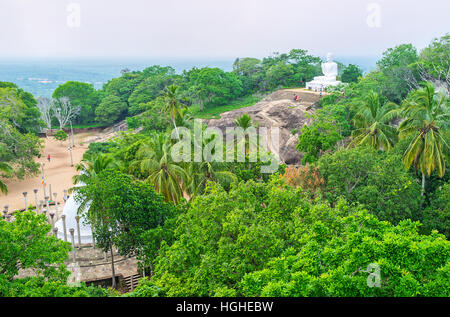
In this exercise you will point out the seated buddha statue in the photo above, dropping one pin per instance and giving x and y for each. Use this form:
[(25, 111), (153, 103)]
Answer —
[(329, 70)]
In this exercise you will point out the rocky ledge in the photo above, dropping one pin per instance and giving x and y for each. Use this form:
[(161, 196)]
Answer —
[(277, 110)]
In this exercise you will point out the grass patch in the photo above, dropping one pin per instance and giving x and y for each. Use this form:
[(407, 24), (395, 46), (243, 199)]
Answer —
[(214, 112)]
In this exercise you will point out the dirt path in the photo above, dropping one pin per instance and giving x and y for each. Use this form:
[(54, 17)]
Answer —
[(58, 173)]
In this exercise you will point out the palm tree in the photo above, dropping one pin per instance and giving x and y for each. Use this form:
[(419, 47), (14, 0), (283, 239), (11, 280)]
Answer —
[(427, 120), (184, 118), (92, 165), (244, 121), (372, 123), (171, 106), (89, 169), (154, 159), (201, 172), (7, 170)]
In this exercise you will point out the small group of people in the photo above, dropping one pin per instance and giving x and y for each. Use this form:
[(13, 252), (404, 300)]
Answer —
[(296, 98)]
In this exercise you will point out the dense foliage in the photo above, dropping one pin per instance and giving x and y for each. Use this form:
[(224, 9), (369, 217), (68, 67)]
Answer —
[(136, 92), (372, 178), (111, 196), (27, 245), (19, 123), (269, 240), (367, 214), (391, 109), (81, 95)]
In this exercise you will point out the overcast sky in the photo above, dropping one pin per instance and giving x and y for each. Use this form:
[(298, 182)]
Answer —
[(215, 28)]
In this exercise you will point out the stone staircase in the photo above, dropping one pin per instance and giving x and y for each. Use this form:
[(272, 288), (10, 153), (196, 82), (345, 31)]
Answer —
[(95, 265), (130, 282)]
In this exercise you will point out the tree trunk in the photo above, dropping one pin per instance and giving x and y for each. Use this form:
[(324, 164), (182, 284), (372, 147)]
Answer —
[(112, 268), (423, 184)]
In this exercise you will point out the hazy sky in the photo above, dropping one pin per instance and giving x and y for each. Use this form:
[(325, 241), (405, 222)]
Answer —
[(215, 28)]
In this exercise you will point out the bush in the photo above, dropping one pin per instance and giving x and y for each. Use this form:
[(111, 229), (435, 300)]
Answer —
[(39, 287), (100, 147), (133, 123), (61, 135)]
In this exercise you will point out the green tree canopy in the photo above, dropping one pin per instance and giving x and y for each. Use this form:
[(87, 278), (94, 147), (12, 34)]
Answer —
[(279, 75), (5, 170), (434, 60), (317, 138), (127, 213), (340, 254), (26, 243), (250, 72), (375, 179), (157, 78), (25, 115), (61, 135), (80, 95), (110, 110), (396, 65), (268, 240), (213, 86), (351, 73), (399, 56)]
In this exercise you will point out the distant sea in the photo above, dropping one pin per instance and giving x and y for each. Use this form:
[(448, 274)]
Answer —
[(42, 76)]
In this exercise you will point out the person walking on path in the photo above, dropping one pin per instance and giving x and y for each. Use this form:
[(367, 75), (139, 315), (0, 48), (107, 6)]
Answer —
[(48, 158)]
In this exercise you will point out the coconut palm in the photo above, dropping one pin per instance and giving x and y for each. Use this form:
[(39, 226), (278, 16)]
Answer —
[(172, 106), (244, 121), (92, 165), (201, 172), (427, 120), (184, 118), (372, 123), (89, 169), (250, 144), (7, 170), (154, 159)]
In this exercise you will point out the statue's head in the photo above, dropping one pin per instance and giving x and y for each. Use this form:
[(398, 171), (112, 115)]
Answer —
[(329, 57)]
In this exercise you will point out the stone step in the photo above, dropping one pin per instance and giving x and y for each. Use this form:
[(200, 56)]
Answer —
[(132, 281)]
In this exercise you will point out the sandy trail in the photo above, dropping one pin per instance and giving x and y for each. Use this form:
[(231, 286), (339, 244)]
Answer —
[(58, 173)]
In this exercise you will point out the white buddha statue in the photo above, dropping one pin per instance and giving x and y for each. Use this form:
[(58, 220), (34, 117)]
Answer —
[(330, 72), (329, 69)]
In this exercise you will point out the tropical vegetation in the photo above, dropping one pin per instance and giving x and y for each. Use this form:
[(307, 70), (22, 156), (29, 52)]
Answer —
[(366, 214)]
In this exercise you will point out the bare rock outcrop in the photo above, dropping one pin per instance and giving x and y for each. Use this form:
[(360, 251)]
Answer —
[(277, 110)]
